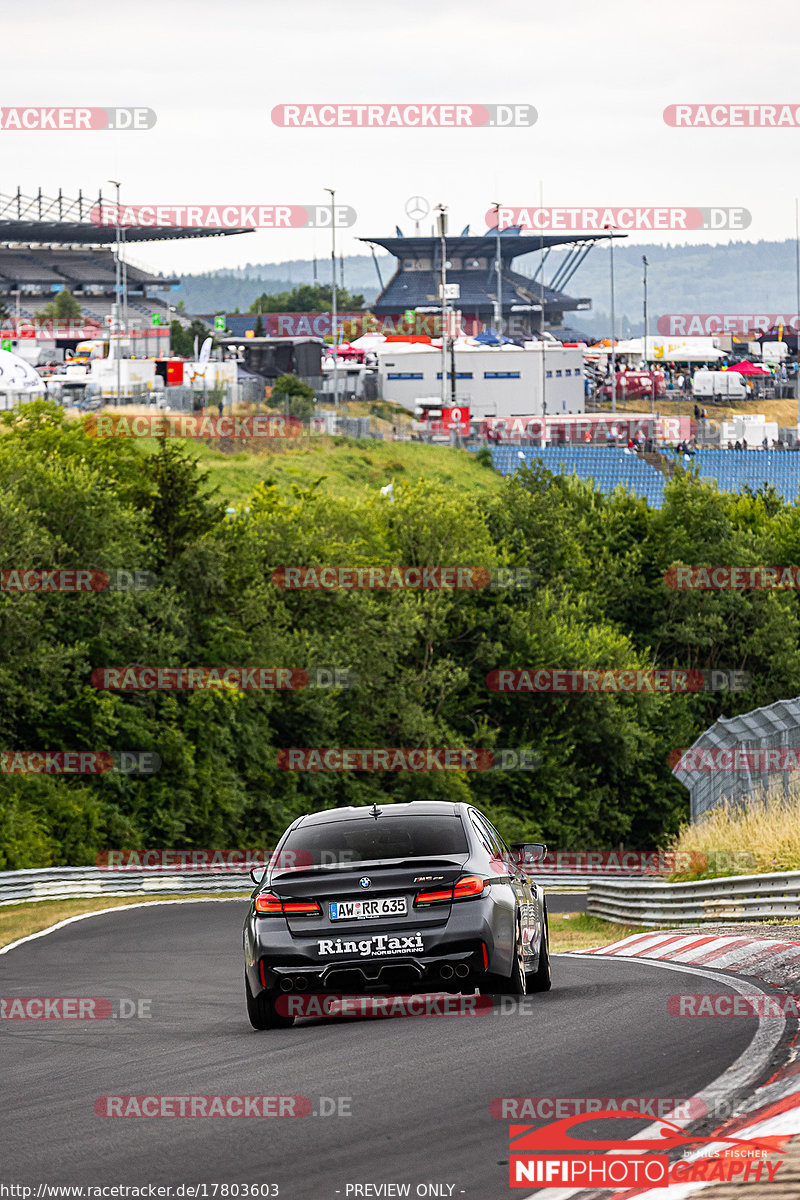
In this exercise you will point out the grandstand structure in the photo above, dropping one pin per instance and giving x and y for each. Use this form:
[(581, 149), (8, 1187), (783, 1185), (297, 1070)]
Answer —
[(48, 244), (472, 276), (608, 467), (736, 470)]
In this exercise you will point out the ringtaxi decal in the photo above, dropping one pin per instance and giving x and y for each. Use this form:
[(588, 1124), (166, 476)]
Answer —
[(378, 945)]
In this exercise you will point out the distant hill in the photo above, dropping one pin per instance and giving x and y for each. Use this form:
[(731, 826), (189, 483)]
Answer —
[(741, 277), (227, 291), (746, 277)]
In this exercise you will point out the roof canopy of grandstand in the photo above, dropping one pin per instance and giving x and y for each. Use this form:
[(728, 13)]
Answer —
[(60, 221), (472, 268), (511, 241)]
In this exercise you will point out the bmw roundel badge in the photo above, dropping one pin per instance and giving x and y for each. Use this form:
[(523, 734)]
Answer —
[(364, 882)]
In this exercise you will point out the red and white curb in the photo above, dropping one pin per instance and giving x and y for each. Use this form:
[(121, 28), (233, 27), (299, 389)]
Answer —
[(774, 1107), (767, 960)]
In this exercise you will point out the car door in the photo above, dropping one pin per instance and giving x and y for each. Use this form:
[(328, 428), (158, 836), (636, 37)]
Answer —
[(526, 900)]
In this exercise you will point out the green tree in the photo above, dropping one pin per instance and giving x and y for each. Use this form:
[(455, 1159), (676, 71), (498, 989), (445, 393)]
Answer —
[(296, 397), (258, 328), (63, 307), (178, 506), (182, 340), (309, 298)]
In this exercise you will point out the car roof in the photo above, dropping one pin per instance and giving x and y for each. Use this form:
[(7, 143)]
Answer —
[(359, 811)]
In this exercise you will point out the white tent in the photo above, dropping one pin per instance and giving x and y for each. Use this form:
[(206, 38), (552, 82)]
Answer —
[(684, 350), (662, 350), (18, 376)]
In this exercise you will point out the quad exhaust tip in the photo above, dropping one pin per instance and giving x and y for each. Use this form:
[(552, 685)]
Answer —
[(446, 971), (462, 970), (286, 985)]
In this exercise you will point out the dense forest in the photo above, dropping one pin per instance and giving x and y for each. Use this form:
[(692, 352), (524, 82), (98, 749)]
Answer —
[(419, 658)]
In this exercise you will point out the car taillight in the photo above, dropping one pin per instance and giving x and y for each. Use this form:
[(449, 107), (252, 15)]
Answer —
[(444, 896), (465, 888), (469, 886), (269, 905), (304, 908)]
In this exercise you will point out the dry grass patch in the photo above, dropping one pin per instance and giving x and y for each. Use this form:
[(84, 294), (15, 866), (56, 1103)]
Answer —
[(734, 840), (19, 920)]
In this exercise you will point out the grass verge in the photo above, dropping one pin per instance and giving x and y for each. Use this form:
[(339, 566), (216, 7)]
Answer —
[(18, 920), (581, 931)]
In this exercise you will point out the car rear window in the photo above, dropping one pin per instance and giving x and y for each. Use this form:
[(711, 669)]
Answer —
[(369, 838)]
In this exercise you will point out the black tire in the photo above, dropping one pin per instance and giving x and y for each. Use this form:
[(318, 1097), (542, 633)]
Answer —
[(541, 980), (261, 1010), (515, 984)]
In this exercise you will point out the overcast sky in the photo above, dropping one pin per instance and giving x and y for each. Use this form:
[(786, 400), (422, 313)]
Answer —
[(599, 75)]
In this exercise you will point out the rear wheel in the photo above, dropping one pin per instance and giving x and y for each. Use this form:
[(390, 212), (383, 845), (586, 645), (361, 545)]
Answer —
[(517, 983), (541, 980), (261, 1010)]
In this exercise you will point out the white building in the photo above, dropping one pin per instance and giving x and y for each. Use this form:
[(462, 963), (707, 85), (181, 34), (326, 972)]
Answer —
[(493, 381)]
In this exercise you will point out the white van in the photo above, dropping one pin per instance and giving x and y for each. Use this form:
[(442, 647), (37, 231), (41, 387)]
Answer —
[(711, 385), (774, 352)]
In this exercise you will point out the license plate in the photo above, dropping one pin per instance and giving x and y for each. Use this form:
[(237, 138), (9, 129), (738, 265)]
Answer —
[(365, 910)]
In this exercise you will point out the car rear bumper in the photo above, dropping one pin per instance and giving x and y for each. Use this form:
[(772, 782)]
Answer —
[(455, 955), (459, 970)]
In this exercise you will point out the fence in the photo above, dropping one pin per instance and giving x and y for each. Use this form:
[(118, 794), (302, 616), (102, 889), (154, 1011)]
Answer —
[(66, 883), (735, 898), (775, 727)]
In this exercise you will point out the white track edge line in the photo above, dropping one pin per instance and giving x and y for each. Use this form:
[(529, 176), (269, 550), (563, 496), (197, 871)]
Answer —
[(739, 1074), (99, 912)]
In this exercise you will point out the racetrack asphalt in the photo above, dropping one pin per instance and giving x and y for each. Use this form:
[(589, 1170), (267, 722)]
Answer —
[(419, 1089)]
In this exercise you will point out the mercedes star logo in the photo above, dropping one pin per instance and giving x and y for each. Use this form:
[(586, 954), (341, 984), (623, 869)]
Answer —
[(417, 208)]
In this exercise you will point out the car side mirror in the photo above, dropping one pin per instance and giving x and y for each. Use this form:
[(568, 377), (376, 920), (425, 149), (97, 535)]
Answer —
[(528, 853)]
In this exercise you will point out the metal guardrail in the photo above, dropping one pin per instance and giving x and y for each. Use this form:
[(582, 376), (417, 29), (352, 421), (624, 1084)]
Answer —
[(734, 897), (66, 883)]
